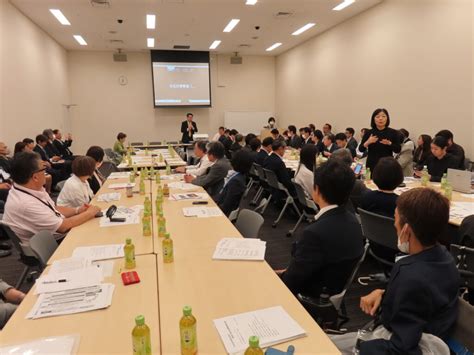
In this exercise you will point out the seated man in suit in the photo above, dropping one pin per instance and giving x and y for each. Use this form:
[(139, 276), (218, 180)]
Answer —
[(330, 247), (330, 146), (306, 136), (53, 167), (63, 145), (255, 145), (213, 180), (275, 163), (453, 148), (235, 183), (264, 151), (351, 141), (341, 142), (294, 139), (420, 301)]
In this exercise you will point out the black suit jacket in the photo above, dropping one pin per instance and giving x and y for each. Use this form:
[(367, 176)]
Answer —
[(295, 142), (42, 152), (275, 163), (51, 150), (229, 198), (326, 254), (63, 147), (262, 155), (184, 130), (421, 297)]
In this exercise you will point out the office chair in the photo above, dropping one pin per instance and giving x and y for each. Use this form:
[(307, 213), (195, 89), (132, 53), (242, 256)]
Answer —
[(43, 246), (308, 204), (249, 223)]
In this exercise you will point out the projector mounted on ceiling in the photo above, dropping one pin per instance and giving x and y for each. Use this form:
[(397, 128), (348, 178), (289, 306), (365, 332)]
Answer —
[(119, 56), (236, 59)]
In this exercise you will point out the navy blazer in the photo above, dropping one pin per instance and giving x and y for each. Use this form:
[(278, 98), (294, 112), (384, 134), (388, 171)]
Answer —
[(421, 297), (42, 152), (63, 147), (326, 254), (229, 198), (184, 130), (275, 163)]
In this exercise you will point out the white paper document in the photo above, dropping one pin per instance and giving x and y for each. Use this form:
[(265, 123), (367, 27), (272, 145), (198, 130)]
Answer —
[(468, 195), (461, 209), (105, 266), (119, 175), (182, 186), (72, 301), (202, 212), (63, 345), (113, 196), (172, 177), (189, 196), (62, 266), (123, 185), (90, 276), (131, 215), (272, 325), (99, 252), (240, 249)]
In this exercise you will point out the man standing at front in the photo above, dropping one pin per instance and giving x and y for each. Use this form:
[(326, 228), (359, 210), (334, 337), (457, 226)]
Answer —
[(188, 128)]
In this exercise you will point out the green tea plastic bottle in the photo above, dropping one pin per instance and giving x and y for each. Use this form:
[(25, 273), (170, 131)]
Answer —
[(147, 205), (146, 222), (187, 330), (168, 254), (142, 186), (161, 226), (166, 191), (448, 191), (131, 177), (444, 181), (254, 346), (425, 176), (368, 174), (141, 337), (168, 169), (129, 252), (158, 177)]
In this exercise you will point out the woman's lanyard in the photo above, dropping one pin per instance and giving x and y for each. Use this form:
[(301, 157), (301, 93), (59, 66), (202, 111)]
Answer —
[(40, 200)]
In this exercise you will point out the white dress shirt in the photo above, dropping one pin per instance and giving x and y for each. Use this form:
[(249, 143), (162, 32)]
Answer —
[(324, 210), (200, 168), (75, 193), (305, 178)]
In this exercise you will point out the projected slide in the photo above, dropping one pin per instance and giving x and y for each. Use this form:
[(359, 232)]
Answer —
[(181, 84)]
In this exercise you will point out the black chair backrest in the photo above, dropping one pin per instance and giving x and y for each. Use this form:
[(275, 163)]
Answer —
[(13, 237), (464, 258), (300, 194), (379, 229), (260, 172), (272, 179), (108, 168)]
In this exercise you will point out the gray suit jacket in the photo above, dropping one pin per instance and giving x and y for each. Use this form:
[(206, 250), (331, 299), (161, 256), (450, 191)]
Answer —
[(213, 180)]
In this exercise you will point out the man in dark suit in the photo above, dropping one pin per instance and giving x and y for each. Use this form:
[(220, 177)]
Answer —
[(188, 128), (264, 151), (454, 149), (229, 198), (295, 140), (275, 163), (330, 146), (306, 136), (57, 170), (351, 141), (330, 247), (422, 294), (341, 143), (213, 181), (50, 149), (62, 146)]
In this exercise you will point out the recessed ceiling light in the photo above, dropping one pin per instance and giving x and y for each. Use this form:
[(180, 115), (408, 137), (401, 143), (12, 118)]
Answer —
[(343, 5), (230, 26), (150, 42), (302, 29), (60, 17), (251, 2), (273, 46), (215, 44), (150, 22), (80, 40)]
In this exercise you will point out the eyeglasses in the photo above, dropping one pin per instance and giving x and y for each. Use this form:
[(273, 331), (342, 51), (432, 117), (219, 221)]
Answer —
[(39, 170)]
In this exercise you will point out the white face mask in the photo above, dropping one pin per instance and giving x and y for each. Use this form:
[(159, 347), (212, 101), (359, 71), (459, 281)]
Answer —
[(404, 247)]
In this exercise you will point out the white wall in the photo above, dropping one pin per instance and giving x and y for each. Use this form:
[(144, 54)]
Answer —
[(105, 107), (33, 72), (413, 57)]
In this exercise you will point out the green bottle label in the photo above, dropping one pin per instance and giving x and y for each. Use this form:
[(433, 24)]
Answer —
[(188, 338), (141, 345)]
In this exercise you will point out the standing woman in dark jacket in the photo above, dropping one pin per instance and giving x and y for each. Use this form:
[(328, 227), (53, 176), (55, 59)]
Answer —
[(380, 141)]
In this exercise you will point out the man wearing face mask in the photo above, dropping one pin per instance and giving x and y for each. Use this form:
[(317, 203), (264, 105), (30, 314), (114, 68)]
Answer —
[(419, 307)]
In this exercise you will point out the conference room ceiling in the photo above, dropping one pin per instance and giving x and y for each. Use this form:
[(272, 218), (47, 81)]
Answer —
[(196, 23)]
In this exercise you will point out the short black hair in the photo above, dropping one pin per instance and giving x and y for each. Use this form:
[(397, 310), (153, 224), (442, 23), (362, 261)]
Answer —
[(350, 130), (40, 138), (239, 138), (271, 119), (189, 114), (233, 132), (340, 137), (292, 129), (446, 134), (335, 181), (329, 125), (277, 144), (330, 137), (202, 145), (307, 130), (242, 161), (404, 133), (375, 113), (121, 135), (255, 144), (96, 153), (19, 147), (23, 166), (275, 131), (312, 127), (216, 149), (387, 174), (56, 131), (308, 156), (249, 137), (227, 131), (28, 140), (267, 141), (440, 141), (318, 134), (221, 128)]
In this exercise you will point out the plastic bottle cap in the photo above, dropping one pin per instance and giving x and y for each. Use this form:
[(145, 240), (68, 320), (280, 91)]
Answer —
[(139, 320), (167, 235), (254, 341), (128, 241), (187, 310)]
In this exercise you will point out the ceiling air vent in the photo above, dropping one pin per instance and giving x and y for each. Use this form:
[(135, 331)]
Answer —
[(100, 3), (181, 46), (283, 14), (116, 41), (244, 45)]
